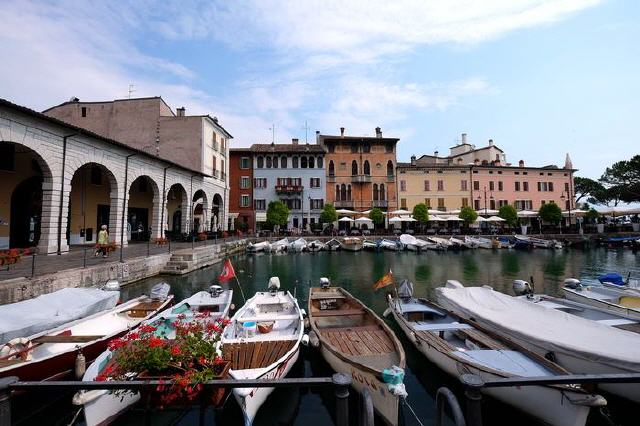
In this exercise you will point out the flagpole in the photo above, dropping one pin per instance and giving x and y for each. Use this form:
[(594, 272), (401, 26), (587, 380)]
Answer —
[(240, 287)]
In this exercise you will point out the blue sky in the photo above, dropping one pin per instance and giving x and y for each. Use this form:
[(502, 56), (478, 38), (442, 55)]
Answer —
[(541, 78)]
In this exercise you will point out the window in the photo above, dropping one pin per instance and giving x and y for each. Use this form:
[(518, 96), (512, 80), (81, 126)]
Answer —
[(366, 148), (260, 162), (566, 186), (354, 148), (389, 168), (403, 185), (502, 203), (403, 203), (275, 162), (476, 185), (441, 204), (294, 162), (492, 204), (319, 162), (244, 163), (312, 162), (215, 167), (465, 202), (388, 148), (500, 186), (269, 162), (517, 184), (244, 182), (544, 186), (283, 162), (332, 169), (491, 186), (383, 194), (375, 192), (244, 200), (426, 186), (304, 162), (314, 182), (550, 186), (96, 175), (317, 204), (343, 192), (354, 168), (440, 185), (525, 186), (222, 170), (337, 196), (476, 204), (7, 157), (367, 168), (348, 192), (427, 201), (260, 205), (84, 111), (463, 185), (260, 182)]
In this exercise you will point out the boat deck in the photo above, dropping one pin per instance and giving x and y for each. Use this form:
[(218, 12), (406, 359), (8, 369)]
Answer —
[(368, 340), (250, 355)]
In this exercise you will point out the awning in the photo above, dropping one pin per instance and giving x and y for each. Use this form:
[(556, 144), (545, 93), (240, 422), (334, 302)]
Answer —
[(345, 212), (345, 219), (487, 212), (261, 217), (401, 211), (495, 219)]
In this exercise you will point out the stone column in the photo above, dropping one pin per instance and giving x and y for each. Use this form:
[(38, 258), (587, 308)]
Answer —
[(48, 243), (156, 226)]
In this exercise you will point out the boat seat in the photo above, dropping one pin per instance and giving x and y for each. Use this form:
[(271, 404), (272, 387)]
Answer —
[(337, 312), (267, 317), (441, 327), (65, 339)]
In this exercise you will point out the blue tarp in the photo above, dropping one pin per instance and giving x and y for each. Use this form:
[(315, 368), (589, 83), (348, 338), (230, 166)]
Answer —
[(622, 239), (613, 278)]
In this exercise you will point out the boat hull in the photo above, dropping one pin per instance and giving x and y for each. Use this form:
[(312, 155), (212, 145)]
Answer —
[(602, 304)]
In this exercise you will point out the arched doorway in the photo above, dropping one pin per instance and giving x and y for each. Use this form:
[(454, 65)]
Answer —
[(200, 208), (92, 203), (26, 211), (217, 221), (177, 203), (143, 199)]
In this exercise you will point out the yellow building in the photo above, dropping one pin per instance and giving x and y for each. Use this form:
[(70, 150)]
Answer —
[(440, 187)]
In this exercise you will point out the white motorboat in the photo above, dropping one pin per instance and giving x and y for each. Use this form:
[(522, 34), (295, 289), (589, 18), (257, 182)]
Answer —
[(457, 346), (315, 245), (479, 242), (298, 245), (351, 244), (390, 245), (48, 311), (412, 243), (102, 407), (577, 344), (332, 245), (442, 242), (369, 245), (280, 245), (460, 244), (355, 341), (271, 324), (618, 300), (262, 246)]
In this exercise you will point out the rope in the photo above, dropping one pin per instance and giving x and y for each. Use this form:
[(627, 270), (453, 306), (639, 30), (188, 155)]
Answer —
[(604, 412), (404, 400), (76, 416)]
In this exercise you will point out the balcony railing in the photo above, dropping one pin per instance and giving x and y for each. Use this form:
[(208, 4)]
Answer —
[(391, 178), (344, 204), (331, 178), (380, 203), (361, 179), (289, 189)]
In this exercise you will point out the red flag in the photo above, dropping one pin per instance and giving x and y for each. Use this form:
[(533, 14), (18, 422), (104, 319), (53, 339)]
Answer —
[(227, 272), (387, 279)]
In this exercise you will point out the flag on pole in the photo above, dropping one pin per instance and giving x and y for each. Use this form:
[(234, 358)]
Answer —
[(387, 279), (227, 272)]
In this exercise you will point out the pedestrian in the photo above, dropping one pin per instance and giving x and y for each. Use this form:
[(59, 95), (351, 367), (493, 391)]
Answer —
[(103, 240)]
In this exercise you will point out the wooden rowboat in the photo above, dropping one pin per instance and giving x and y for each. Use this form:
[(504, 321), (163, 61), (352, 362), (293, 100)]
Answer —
[(355, 341)]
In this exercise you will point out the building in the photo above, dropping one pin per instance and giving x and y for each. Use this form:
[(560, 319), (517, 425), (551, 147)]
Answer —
[(196, 142), (241, 213), (361, 170), (61, 182), (292, 173)]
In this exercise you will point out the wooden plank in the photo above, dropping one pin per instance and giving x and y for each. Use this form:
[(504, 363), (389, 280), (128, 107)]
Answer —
[(271, 346), (359, 343), (484, 339), (279, 351), (372, 342), (348, 343), (338, 312), (243, 353), (249, 354), (382, 339), (65, 339), (256, 354)]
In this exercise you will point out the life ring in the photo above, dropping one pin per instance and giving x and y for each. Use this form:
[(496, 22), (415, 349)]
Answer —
[(19, 347)]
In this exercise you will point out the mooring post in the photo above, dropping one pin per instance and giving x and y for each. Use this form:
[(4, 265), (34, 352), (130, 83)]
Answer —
[(472, 385), (169, 245), (33, 264), (84, 259), (5, 400), (366, 409), (342, 382)]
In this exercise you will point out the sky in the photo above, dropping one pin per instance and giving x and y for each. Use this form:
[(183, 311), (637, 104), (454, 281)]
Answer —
[(539, 77)]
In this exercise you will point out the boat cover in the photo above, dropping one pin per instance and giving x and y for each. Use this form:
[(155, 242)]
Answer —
[(613, 278), (26, 318), (406, 289), (408, 239), (544, 327)]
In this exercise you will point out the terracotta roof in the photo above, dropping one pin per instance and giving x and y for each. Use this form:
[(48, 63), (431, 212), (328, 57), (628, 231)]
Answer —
[(338, 138), (287, 148)]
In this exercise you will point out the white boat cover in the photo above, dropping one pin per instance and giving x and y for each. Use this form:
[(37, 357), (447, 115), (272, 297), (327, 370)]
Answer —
[(26, 318), (408, 239), (545, 327)]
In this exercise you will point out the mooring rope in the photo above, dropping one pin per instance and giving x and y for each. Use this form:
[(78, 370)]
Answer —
[(412, 412), (76, 416)]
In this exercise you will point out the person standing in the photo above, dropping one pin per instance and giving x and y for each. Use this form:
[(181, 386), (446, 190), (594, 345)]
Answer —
[(103, 240)]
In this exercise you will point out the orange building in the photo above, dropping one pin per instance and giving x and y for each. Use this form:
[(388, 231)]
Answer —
[(360, 170)]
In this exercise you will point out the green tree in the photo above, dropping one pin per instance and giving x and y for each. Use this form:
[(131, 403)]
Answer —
[(623, 179), (328, 214), (509, 214), (550, 212), (376, 216), (277, 214), (468, 214), (586, 188), (421, 214), (592, 215)]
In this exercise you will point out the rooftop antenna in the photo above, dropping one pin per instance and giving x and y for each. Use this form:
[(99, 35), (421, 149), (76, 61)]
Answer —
[(273, 133), (306, 131), (131, 90)]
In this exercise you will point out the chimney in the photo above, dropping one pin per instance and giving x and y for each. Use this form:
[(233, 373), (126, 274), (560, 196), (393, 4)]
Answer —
[(463, 138), (490, 142), (521, 163), (342, 132), (378, 132), (413, 160), (180, 112), (435, 153), (294, 141)]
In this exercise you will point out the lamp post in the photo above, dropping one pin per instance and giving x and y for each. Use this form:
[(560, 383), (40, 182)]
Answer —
[(485, 198), (568, 198)]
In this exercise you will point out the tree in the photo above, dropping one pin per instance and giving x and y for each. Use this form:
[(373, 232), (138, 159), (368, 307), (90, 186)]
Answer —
[(376, 216), (421, 213), (592, 215), (550, 212), (328, 214), (585, 187), (468, 214), (509, 214), (277, 214), (623, 178)]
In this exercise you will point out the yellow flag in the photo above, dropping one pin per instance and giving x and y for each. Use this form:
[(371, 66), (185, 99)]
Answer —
[(387, 279)]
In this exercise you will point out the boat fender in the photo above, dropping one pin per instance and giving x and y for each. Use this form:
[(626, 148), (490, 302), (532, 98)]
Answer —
[(80, 365), (386, 312), (398, 390), (305, 340), (394, 377), (307, 324), (19, 346), (314, 340), (304, 313)]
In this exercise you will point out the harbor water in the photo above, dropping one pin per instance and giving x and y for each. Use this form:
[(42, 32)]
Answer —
[(357, 272)]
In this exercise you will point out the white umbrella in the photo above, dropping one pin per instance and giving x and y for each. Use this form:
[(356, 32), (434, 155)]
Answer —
[(401, 211), (366, 212), (481, 219), (575, 213), (363, 219), (345, 219), (395, 220), (407, 219), (345, 212), (495, 219), (436, 219), (457, 211), (618, 211), (487, 212), (454, 218), (432, 211), (527, 213)]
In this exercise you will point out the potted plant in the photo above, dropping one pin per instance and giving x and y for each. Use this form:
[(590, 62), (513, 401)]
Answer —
[(191, 357)]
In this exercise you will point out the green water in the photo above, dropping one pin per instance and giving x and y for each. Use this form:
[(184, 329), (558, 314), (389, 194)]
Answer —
[(357, 272)]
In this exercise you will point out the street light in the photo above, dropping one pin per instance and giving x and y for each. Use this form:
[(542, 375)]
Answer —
[(568, 199), (485, 198)]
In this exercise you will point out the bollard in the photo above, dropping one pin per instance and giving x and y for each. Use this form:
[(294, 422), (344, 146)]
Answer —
[(84, 259), (5, 400), (366, 409), (33, 265), (472, 385), (342, 382)]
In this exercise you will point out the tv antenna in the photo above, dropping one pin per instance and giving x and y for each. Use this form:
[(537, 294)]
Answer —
[(131, 90), (273, 133), (306, 131)]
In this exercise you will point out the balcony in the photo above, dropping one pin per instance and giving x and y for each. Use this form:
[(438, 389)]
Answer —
[(391, 178), (380, 203), (361, 179), (289, 189), (331, 178), (343, 204)]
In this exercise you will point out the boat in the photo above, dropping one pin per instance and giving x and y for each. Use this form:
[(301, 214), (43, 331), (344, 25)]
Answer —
[(541, 243), (298, 245), (619, 300), (503, 243), (351, 244), (280, 245), (522, 242), (458, 346), (269, 327), (479, 242), (102, 407), (580, 345), (460, 244), (412, 243), (615, 280), (369, 245), (442, 242), (392, 245), (262, 246), (332, 245), (51, 354), (48, 311), (315, 245), (355, 341)]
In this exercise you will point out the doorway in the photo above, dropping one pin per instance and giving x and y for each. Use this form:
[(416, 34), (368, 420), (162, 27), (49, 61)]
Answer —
[(26, 209)]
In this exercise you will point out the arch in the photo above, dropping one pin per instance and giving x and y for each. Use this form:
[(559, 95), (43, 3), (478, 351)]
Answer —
[(343, 192), (276, 160), (383, 195), (312, 162), (354, 168), (349, 192), (268, 162), (367, 168), (303, 162), (93, 202), (283, 162), (337, 197), (177, 209), (143, 209), (294, 162), (375, 192), (260, 162), (332, 168), (319, 162), (389, 168), (200, 207), (217, 213)]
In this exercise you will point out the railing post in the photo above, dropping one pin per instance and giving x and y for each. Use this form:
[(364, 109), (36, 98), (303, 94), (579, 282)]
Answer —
[(5, 400), (84, 259), (341, 383), (472, 385), (33, 264), (366, 409)]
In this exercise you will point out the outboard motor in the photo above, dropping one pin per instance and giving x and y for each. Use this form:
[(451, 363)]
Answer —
[(325, 283), (573, 283), (274, 285), (522, 287), (215, 290), (111, 285)]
